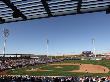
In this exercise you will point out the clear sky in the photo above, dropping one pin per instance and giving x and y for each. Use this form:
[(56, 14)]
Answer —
[(66, 34)]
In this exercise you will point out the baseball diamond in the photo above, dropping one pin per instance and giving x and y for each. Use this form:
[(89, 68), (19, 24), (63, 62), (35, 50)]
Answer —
[(66, 68)]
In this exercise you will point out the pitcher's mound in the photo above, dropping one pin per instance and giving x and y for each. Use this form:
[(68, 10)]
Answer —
[(37, 69), (58, 67)]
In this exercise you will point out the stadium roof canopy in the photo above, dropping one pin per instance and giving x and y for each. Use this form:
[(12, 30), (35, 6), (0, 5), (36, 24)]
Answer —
[(19, 10)]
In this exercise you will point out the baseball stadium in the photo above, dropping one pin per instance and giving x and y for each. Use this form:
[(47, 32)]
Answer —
[(57, 66), (54, 41)]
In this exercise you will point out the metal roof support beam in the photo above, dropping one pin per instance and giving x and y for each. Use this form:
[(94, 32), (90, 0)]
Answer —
[(45, 4), (108, 10), (79, 6), (16, 12), (2, 20)]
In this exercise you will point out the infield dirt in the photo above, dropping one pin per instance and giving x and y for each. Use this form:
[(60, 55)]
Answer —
[(87, 68)]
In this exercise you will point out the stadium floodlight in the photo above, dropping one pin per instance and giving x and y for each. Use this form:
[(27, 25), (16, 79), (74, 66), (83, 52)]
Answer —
[(5, 35), (47, 44), (93, 43)]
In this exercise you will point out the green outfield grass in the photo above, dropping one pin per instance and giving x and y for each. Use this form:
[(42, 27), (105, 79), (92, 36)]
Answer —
[(61, 71), (54, 71)]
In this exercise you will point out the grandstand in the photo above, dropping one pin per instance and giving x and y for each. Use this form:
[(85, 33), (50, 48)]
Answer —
[(66, 68)]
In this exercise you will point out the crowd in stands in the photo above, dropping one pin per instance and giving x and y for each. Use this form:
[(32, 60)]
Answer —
[(23, 62), (27, 78)]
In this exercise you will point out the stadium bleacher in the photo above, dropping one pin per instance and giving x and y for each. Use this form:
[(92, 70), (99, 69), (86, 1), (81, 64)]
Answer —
[(27, 78)]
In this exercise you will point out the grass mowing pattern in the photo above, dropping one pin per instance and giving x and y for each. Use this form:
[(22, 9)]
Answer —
[(60, 71), (54, 72), (64, 68)]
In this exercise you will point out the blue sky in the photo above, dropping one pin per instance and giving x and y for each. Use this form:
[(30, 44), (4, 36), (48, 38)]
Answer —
[(66, 34)]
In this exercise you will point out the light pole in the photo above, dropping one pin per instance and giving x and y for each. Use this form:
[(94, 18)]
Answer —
[(47, 48), (93, 43), (5, 35), (47, 45)]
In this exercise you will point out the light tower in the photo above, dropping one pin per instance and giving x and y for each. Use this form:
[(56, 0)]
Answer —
[(47, 46), (93, 43), (5, 36)]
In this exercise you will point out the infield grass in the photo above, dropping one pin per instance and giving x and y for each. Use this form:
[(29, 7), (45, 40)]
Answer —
[(62, 71)]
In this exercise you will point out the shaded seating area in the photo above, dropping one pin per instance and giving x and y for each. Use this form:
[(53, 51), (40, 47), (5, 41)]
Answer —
[(22, 10)]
